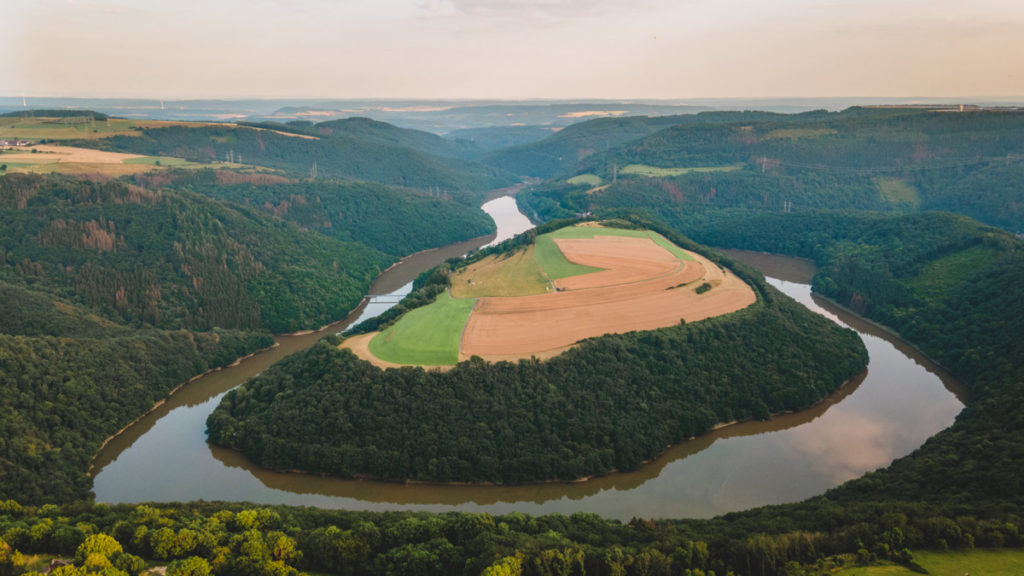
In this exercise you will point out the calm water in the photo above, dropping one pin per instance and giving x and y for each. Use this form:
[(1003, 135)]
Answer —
[(901, 401)]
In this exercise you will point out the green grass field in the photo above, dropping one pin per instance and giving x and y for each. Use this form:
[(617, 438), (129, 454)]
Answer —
[(656, 172), (1006, 562), (515, 274), (427, 336), (896, 191), (588, 179)]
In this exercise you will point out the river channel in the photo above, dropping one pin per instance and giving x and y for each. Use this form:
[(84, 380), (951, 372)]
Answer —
[(901, 401)]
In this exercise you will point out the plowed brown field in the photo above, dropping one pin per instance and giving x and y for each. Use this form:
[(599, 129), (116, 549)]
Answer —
[(639, 289)]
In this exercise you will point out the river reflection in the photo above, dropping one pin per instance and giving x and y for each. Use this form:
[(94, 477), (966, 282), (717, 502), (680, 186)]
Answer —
[(899, 402)]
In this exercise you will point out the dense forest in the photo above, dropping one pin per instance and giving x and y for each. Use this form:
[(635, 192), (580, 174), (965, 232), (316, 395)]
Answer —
[(609, 404), (328, 152), (393, 220), (175, 259), (891, 160)]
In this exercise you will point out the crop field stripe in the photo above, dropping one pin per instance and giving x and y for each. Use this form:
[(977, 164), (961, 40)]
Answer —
[(667, 245), (556, 266), (427, 336), (553, 263)]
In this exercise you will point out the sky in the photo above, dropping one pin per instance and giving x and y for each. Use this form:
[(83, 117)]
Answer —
[(512, 49)]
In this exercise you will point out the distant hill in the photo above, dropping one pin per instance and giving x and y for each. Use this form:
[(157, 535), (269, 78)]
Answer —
[(335, 154), (564, 149), (878, 159), (62, 113), (497, 137), (389, 134)]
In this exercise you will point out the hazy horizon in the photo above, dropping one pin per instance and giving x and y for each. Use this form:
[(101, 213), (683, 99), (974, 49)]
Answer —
[(515, 50)]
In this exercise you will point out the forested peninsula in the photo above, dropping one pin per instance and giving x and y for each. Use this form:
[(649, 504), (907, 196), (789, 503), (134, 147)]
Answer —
[(609, 404)]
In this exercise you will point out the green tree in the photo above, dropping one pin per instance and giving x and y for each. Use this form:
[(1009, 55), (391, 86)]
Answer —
[(97, 544)]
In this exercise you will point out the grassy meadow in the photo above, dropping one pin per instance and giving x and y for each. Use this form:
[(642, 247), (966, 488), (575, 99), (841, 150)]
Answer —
[(588, 179), (511, 274), (428, 336)]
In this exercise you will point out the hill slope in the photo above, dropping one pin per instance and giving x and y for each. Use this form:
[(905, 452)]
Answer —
[(892, 159), (381, 156)]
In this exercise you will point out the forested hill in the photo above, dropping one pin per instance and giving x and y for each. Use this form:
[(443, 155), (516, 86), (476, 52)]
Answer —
[(611, 403), (562, 150), (389, 134), (497, 137), (392, 220), (892, 160), (335, 153), (175, 259)]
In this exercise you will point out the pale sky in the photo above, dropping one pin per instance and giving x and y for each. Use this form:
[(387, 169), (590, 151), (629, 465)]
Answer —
[(512, 49)]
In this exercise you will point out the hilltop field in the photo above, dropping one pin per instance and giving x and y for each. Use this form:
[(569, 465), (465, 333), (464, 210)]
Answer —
[(50, 148), (539, 300)]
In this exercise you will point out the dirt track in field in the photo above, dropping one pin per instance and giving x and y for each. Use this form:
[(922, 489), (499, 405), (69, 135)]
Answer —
[(638, 290)]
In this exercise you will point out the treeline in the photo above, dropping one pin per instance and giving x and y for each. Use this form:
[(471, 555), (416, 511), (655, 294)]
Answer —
[(328, 155), (395, 221), (237, 539), (58, 113), (175, 259), (608, 404)]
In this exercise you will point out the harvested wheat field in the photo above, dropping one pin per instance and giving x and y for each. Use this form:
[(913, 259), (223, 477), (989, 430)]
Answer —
[(642, 287), (47, 154)]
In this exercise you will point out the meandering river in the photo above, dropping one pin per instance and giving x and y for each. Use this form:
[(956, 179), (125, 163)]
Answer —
[(901, 401)]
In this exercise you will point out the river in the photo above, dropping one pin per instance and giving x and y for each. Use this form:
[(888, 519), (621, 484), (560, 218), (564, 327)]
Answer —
[(900, 401)]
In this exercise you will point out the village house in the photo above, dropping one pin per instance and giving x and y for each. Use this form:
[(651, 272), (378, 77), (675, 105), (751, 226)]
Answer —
[(12, 144)]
